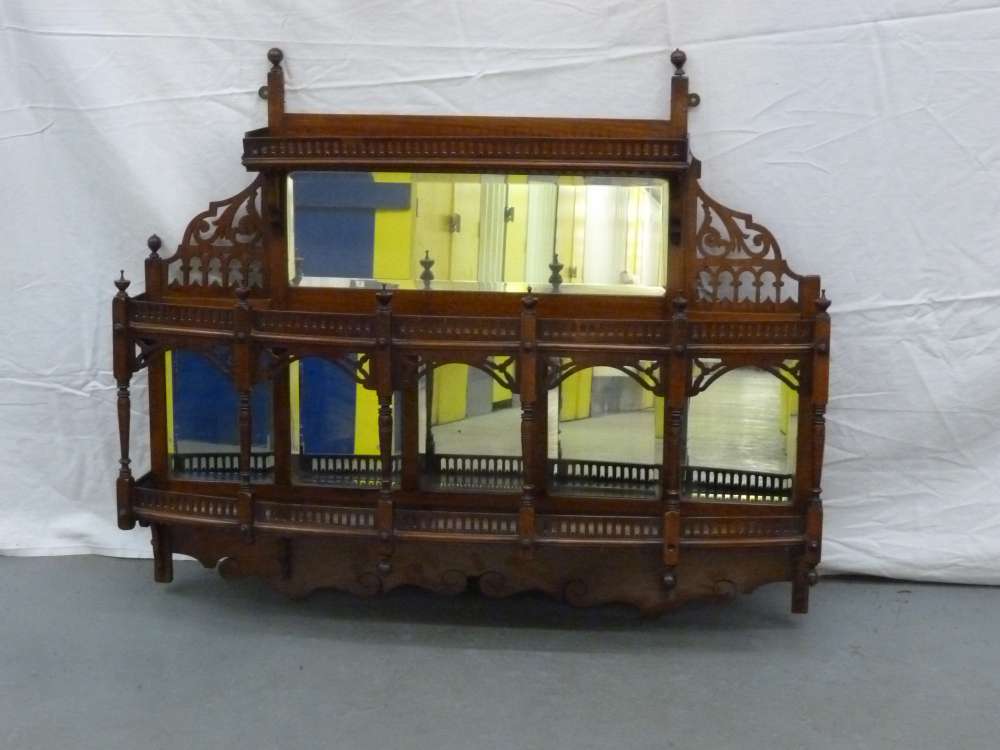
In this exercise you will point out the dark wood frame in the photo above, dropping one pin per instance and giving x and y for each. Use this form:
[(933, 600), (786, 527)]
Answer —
[(653, 553)]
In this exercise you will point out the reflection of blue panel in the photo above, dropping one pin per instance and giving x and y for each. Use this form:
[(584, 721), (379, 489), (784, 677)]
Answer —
[(328, 397), (206, 403), (335, 220)]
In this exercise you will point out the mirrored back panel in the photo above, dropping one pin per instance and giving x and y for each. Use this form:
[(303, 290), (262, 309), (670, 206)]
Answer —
[(478, 232)]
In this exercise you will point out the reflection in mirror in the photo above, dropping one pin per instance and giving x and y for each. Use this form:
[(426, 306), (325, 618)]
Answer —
[(202, 418), (334, 425), (741, 434), (478, 232), (605, 435), (470, 428)]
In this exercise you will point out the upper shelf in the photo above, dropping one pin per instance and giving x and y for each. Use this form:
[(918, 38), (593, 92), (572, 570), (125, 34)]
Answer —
[(457, 144)]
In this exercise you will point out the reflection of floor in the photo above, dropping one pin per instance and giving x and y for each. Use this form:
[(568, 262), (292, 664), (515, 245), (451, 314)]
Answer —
[(735, 424)]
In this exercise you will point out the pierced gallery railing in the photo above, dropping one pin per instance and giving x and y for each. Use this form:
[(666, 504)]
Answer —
[(736, 485)]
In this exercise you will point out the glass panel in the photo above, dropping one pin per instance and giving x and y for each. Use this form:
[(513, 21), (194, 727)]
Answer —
[(202, 418), (470, 429), (478, 232), (741, 435), (335, 425), (605, 435)]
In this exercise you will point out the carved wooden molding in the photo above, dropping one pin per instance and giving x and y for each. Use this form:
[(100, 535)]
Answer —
[(439, 152), (222, 247), (646, 375), (737, 263)]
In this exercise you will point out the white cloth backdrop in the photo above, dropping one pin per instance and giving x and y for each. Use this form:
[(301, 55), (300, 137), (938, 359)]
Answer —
[(866, 135)]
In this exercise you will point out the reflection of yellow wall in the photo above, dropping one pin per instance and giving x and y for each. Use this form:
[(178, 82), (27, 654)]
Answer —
[(465, 242), (393, 235), (575, 394), (516, 239), (168, 366), (433, 205), (366, 422), (294, 400), (450, 393), (658, 417)]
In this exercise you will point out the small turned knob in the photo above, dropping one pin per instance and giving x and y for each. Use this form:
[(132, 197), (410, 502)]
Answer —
[(242, 293), (669, 581), (678, 57), (275, 55), (383, 567), (812, 577), (154, 243)]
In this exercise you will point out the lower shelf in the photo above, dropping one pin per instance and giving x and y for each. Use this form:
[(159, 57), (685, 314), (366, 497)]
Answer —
[(499, 474)]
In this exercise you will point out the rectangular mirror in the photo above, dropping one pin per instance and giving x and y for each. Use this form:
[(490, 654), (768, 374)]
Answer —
[(478, 232)]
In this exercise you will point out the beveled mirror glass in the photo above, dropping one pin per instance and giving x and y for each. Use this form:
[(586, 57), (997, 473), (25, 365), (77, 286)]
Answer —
[(478, 232)]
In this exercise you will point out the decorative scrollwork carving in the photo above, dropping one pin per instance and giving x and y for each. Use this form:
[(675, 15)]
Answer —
[(222, 247), (738, 262), (646, 374), (146, 351), (500, 368), (707, 372), (359, 368)]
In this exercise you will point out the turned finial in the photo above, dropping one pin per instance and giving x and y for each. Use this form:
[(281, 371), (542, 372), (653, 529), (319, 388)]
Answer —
[(555, 279), (384, 295), (427, 263), (529, 300), (678, 57), (680, 304), (275, 55), (122, 283), (242, 293), (154, 243), (823, 303)]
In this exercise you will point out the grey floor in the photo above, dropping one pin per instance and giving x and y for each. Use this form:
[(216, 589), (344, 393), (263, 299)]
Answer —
[(94, 655)]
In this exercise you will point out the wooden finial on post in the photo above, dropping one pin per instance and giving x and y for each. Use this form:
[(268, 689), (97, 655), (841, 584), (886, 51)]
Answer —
[(274, 92), (677, 58), (154, 268), (679, 99), (122, 283)]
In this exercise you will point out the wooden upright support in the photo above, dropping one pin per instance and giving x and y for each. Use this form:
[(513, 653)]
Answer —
[(382, 372), (243, 372), (674, 375), (527, 378), (123, 375)]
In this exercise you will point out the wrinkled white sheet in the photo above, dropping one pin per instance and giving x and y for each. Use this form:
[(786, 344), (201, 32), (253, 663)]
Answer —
[(864, 134)]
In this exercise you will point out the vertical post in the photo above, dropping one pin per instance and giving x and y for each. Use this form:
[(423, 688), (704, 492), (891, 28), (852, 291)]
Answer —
[(679, 93), (429, 416), (382, 371), (123, 374), (155, 281), (805, 573), (243, 372), (673, 375), (281, 420), (275, 92), (411, 430), (527, 381)]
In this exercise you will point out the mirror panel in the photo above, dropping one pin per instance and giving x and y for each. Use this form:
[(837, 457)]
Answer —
[(478, 232), (470, 428), (742, 432), (605, 435)]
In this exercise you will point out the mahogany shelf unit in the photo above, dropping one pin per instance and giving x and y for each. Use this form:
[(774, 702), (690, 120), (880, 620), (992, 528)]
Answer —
[(591, 530)]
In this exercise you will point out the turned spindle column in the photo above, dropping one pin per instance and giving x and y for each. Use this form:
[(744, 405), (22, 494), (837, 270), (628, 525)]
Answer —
[(382, 371), (243, 372), (527, 380), (673, 375), (123, 362)]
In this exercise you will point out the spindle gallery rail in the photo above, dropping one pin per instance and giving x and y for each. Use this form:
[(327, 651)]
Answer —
[(651, 534)]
